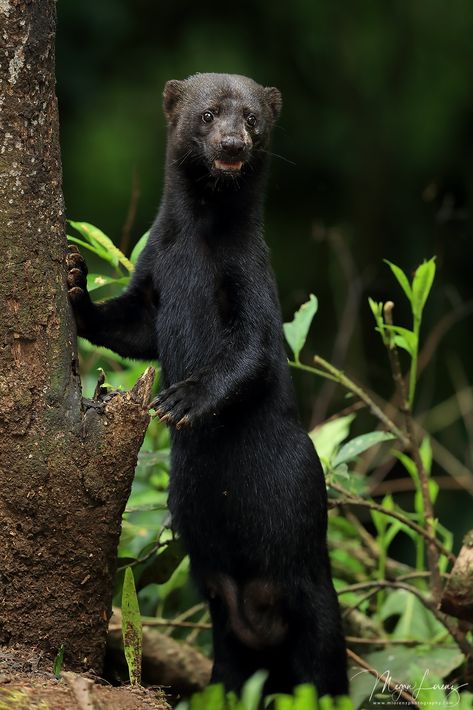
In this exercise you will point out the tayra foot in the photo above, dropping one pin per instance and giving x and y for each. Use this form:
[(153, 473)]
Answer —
[(182, 404)]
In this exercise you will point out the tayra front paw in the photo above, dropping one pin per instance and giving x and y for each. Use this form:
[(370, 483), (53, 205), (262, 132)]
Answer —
[(77, 286), (182, 404)]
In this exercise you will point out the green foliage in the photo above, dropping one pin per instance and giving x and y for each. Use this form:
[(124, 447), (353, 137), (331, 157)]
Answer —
[(138, 248), (161, 569), (94, 240), (403, 664), (417, 293), (296, 331), (400, 611), (350, 452), (58, 661), (97, 242), (131, 628), (304, 698)]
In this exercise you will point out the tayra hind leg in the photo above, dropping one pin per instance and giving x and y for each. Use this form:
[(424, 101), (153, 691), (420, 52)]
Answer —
[(317, 646), (231, 666)]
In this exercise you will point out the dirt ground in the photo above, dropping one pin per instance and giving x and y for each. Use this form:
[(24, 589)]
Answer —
[(24, 685)]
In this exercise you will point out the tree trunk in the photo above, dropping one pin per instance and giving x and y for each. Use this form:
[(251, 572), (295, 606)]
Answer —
[(65, 471)]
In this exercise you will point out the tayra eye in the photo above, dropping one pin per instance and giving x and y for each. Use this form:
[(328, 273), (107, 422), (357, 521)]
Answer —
[(251, 120), (207, 117)]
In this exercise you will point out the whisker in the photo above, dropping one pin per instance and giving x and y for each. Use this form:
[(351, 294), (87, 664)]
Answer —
[(276, 155), (186, 155)]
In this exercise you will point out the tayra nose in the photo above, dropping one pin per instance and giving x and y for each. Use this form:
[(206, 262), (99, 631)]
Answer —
[(232, 145)]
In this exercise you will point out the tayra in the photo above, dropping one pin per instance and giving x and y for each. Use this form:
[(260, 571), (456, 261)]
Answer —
[(247, 493)]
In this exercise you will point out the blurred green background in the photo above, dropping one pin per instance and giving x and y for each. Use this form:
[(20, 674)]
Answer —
[(375, 143)]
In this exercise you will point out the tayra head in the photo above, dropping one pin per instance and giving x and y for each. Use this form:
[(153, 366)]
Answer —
[(219, 125)]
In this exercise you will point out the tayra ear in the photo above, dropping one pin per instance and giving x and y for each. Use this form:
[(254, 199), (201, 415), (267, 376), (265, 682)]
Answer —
[(173, 91), (274, 99)]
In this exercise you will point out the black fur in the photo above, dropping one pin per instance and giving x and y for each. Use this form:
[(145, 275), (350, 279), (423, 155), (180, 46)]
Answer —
[(247, 492)]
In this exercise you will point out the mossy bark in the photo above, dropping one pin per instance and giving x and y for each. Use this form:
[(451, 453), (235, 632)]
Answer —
[(457, 598), (65, 472)]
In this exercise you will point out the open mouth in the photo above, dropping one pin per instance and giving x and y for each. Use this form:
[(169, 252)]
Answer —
[(228, 166)]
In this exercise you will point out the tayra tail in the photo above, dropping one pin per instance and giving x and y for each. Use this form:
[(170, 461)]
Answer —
[(254, 609)]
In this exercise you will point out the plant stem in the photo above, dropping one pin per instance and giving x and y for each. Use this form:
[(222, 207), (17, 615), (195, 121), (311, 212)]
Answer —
[(454, 631), (297, 365), (394, 686), (345, 381), (371, 505), (406, 409), (413, 368)]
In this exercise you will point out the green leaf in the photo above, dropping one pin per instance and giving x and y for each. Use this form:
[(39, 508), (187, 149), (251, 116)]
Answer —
[(379, 521), (409, 465), (328, 436), (296, 331), (404, 338), (377, 310), (84, 245), (98, 239), (425, 451), (426, 686), (415, 621), (161, 567), (213, 697), (421, 285), (253, 690), (356, 446), (151, 458), (58, 661), (305, 697), (465, 700), (343, 702), (395, 527), (402, 278), (401, 342), (132, 630), (138, 248), (279, 701), (397, 660), (96, 281)]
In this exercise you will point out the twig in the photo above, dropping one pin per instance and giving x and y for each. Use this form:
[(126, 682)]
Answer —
[(195, 632), (167, 622), (347, 319), (456, 634), (405, 485), (405, 406), (345, 381), (415, 575), (176, 624), (451, 464), (355, 407), (371, 505), (188, 613), (346, 613), (312, 370), (393, 686), (385, 642), (131, 214), (366, 537), (158, 544)]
